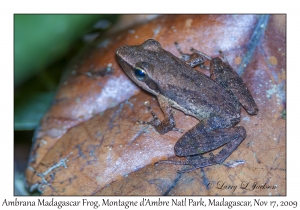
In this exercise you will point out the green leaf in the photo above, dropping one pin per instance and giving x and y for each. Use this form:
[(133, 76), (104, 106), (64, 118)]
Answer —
[(30, 109), (42, 39)]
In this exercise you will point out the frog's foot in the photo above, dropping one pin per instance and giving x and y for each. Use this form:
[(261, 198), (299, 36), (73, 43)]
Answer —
[(194, 59), (194, 162), (164, 126), (200, 53), (190, 169), (184, 56)]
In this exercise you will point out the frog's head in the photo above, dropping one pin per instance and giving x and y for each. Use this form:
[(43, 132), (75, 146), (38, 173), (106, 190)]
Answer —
[(138, 63)]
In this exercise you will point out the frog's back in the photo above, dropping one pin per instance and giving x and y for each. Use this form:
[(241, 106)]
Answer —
[(196, 94)]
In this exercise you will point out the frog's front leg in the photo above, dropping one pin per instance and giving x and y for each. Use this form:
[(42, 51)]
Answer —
[(193, 59), (168, 123)]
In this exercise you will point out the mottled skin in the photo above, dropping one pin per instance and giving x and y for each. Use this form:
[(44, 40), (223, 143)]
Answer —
[(215, 101)]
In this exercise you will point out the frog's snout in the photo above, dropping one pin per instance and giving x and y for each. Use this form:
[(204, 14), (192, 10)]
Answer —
[(120, 51)]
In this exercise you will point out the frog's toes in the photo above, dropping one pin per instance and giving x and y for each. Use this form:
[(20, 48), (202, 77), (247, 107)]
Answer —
[(187, 170), (177, 129), (141, 122), (145, 122)]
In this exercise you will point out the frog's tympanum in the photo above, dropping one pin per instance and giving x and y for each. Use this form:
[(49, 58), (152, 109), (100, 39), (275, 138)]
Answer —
[(215, 101)]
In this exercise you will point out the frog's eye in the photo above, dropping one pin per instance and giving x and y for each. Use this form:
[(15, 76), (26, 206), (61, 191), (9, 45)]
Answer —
[(140, 73)]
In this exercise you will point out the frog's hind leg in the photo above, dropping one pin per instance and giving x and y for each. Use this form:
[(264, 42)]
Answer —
[(224, 75), (193, 145)]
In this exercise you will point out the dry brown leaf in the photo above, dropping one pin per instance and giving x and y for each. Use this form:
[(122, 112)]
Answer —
[(89, 142)]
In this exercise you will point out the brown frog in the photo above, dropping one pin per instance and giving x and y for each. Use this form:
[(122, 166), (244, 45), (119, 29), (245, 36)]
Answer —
[(215, 101)]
